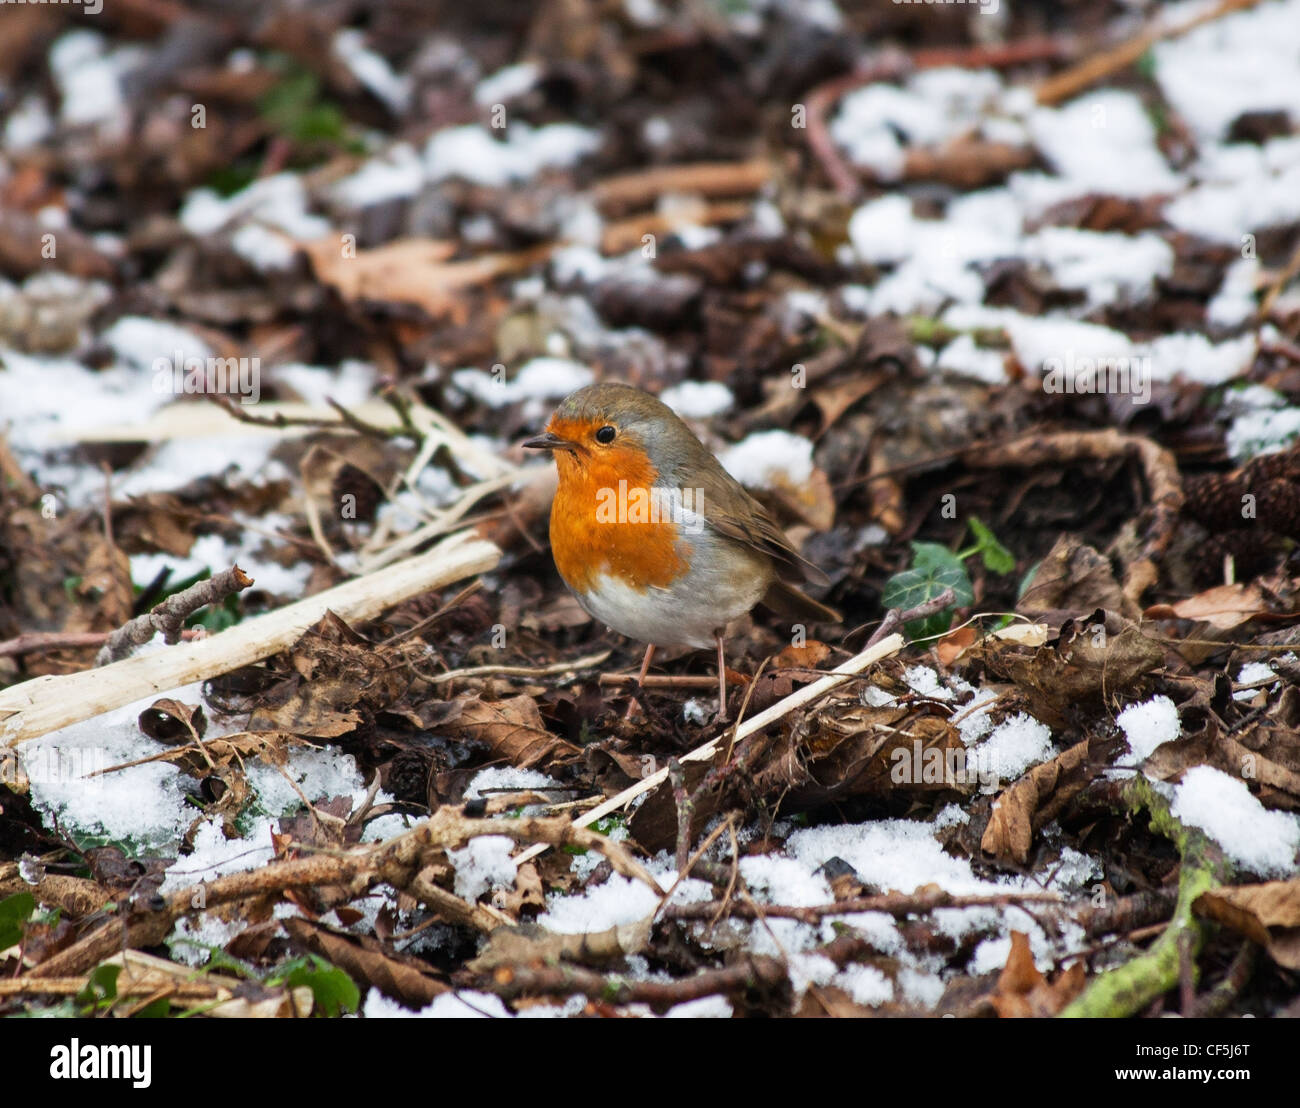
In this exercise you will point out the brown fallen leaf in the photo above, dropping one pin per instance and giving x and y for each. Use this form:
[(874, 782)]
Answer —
[(1022, 991), (1011, 825), (512, 729), (1102, 655), (528, 896), (413, 271), (1073, 578), (173, 721), (365, 961), (1268, 914), (954, 644), (1224, 606), (808, 656)]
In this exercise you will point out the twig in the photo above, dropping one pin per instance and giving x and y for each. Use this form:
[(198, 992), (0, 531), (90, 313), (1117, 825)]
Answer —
[(585, 662), (1280, 282), (280, 421), (643, 187), (33, 642), (44, 704), (685, 810), (168, 616), (898, 905), (1091, 70), (1159, 467), (754, 972), (1216, 1001), (658, 681), (895, 619), (455, 602)]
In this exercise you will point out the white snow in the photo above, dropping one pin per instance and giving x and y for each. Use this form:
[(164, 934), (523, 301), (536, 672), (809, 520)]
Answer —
[(372, 69), (143, 805), (278, 201), (506, 777), (707, 1007), (1234, 303), (473, 153), (28, 125), (464, 1004), (1223, 807), (139, 340), (698, 399), (1102, 141), (1014, 745), (542, 378), (507, 84), (962, 356), (482, 864), (768, 458), (89, 77), (1147, 726), (1246, 61), (1107, 267), (398, 172)]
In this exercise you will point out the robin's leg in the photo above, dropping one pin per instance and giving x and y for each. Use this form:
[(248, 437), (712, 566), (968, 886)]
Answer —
[(722, 681), (640, 679)]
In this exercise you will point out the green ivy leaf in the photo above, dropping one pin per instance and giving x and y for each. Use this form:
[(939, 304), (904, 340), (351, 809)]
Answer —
[(934, 568), (334, 991), (15, 911), (997, 558), (101, 989)]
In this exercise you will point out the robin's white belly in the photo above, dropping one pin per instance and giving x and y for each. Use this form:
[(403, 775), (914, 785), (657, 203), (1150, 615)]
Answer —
[(687, 613)]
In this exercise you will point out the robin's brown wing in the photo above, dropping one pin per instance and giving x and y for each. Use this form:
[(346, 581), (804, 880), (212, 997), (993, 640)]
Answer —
[(787, 601), (731, 511)]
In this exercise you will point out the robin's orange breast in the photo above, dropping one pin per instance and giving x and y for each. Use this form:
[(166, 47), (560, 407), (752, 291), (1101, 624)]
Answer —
[(604, 523)]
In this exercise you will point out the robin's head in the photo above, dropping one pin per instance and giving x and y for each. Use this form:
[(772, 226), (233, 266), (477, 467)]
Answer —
[(617, 427)]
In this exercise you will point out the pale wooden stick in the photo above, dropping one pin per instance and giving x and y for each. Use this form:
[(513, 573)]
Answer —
[(887, 646), (47, 703)]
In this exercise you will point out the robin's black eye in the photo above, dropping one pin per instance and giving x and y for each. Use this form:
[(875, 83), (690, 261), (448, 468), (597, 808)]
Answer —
[(606, 435)]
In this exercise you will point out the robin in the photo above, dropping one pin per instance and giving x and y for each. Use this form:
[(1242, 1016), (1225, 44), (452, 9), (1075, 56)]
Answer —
[(654, 538)]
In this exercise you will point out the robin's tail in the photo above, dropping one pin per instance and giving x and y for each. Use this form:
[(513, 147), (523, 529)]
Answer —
[(787, 601)]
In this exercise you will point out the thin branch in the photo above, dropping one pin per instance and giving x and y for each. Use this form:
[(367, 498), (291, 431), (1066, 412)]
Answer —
[(168, 616)]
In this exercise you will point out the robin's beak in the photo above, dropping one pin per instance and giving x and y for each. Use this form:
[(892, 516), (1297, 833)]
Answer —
[(548, 441)]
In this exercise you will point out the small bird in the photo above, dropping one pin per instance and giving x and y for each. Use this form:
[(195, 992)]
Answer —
[(654, 538)]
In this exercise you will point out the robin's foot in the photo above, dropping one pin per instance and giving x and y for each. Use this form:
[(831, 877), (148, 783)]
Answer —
[(634, 706), (639, 690)]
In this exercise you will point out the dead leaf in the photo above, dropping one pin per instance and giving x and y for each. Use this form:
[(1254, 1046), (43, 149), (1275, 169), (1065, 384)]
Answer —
[(1023, 992), (1072, 578), (1267, 914), (172, 721), (512, 730), (366, 962), (954, 644), (1223, 607), (413, 271), (808, 656), (1017, 811)]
